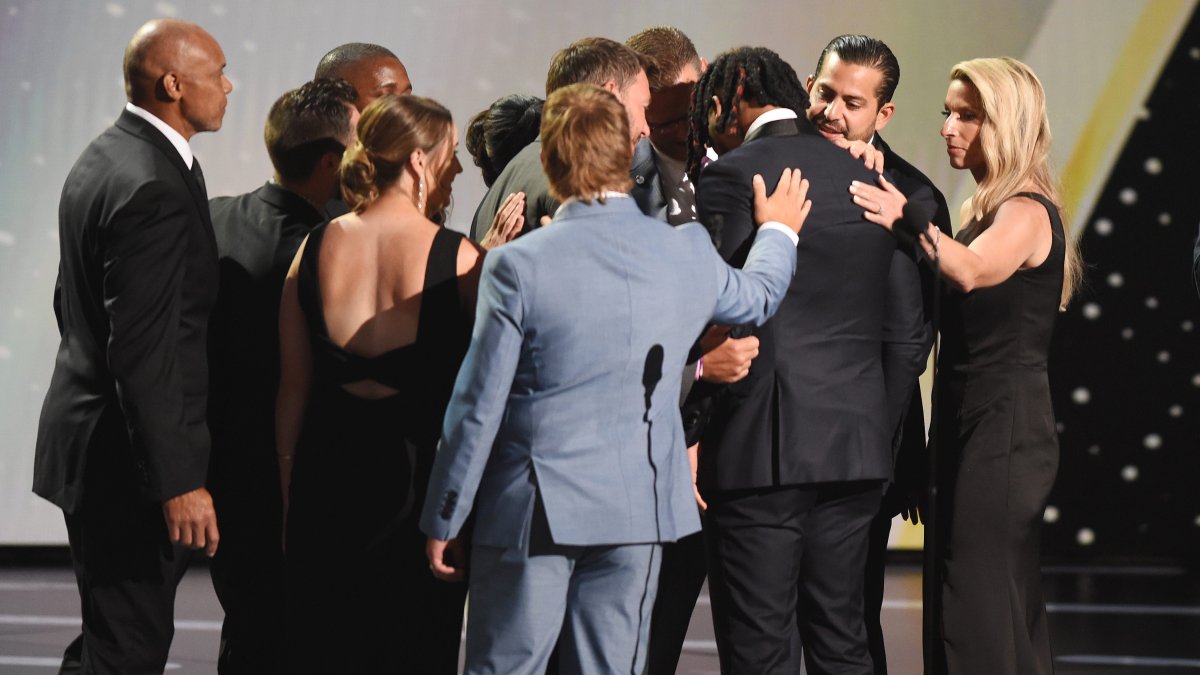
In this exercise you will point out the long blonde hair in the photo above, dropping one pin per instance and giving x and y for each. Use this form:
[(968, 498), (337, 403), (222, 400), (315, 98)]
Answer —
[(1015, 137)]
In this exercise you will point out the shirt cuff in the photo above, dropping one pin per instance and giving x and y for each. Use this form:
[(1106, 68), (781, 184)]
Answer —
[(776, 225)]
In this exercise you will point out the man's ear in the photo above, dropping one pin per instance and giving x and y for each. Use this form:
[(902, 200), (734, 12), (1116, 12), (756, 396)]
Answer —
[(170, 87), (611, 85), (716, 107), (808, 84), (703, 64), (884, 115)]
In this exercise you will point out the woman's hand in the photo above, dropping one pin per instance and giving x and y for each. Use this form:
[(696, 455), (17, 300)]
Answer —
[(871, 156), (508, 222), (882, 205)]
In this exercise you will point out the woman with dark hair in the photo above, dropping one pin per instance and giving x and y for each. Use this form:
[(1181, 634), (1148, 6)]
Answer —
[(496, 135), (374, 322), (1011, 268)]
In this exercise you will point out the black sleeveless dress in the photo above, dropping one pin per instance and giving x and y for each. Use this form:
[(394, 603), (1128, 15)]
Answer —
[(997, 455), (362, 596)]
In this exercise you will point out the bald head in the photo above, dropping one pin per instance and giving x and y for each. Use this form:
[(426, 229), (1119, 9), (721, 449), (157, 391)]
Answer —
[(176, 70), (372, 70)]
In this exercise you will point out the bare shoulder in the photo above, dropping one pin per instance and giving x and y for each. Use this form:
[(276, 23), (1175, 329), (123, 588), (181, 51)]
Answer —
[(1022, 212), (469, 254)]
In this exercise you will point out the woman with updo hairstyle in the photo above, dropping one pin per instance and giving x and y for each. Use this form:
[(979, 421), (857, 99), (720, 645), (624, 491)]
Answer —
[(375, 320), (1010, 269)]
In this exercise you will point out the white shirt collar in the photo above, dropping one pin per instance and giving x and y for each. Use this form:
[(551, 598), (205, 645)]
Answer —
[(772, 115), (176, 138)]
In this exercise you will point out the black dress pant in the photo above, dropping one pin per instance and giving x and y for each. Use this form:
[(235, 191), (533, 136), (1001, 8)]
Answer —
[(786, 560), (127, 571), (679, 582)]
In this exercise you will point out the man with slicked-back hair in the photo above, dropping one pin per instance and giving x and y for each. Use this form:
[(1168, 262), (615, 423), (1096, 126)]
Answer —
[(123, 441)]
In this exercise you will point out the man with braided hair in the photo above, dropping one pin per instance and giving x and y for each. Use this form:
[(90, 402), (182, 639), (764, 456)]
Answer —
[(793, 457)]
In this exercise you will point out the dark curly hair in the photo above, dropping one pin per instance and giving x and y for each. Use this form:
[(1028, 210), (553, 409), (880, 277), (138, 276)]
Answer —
[(494, 136), (744, 74)]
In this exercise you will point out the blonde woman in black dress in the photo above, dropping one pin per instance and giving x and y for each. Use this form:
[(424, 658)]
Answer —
[(1010, 269)]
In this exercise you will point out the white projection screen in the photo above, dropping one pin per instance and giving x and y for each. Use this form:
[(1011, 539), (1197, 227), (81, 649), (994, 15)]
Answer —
[(60, 85)]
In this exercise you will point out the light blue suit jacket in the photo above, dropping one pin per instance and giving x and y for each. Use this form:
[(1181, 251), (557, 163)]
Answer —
[(550, 400)]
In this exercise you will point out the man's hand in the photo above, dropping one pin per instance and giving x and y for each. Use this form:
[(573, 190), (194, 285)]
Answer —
[(726, 359), (191, 521), (871, 156), (789, 203), (446, 559)]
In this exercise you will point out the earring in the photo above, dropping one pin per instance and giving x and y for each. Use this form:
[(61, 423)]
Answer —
[(421, 195)]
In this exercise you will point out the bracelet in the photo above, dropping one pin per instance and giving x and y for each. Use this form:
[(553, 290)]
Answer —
[(699, 368)]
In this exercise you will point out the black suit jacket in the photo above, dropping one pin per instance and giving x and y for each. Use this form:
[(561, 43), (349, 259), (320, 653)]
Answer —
[(909, 442), (257, 235), (647, 188), (137, 279), (814, 407), (523, 174)]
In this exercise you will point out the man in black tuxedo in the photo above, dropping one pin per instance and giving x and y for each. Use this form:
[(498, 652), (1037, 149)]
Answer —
[(123, 443), (258, 234), (793, 457), (593, 60), (850, 99)]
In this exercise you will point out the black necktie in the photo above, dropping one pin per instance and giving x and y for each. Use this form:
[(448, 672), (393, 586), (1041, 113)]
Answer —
[(199, 176)]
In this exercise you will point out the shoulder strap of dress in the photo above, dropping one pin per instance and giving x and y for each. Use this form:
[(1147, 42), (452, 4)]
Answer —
[(441, 284), (308, 282), (1056, 226)]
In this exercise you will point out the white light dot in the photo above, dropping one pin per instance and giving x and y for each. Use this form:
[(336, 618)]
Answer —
[(1194, 52), (1164, 356), (1153, 166), (14, 10), (1164, 218), (1197, 521), (1091, 311), (26, 85), (1175, 411), (250, 46), (18, 312), (39, 160), (218, 10), (245, 157), (1187, 326), (7, 238), (167, 9), (115, 9), (1081, 396), (1094, 450), (5, 353), (1051, 514), (1103, 226), (1060, 427), (1128, 196), (1116, 280), (1151, 302), (1196, 380), (1129, 473), (1126, 333), (1152, 441), (1085, 537)]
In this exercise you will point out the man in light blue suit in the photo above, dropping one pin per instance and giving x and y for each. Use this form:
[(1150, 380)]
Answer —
[(557, 436)]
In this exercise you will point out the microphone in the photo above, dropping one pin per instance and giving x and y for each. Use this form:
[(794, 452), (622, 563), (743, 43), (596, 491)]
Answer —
[(652, 372), (912, 224)]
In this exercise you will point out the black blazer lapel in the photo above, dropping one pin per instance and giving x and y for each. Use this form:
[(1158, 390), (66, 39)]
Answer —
[(786, 127), (146, 131)]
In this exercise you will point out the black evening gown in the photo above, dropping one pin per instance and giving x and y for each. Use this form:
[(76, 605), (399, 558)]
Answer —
[(361, 596), (998, 455)]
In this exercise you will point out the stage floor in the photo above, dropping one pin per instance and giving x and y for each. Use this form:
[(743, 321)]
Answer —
[(1103, 620)]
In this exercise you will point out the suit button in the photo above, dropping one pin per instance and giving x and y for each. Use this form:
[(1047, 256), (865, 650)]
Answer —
[(639, 179)]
